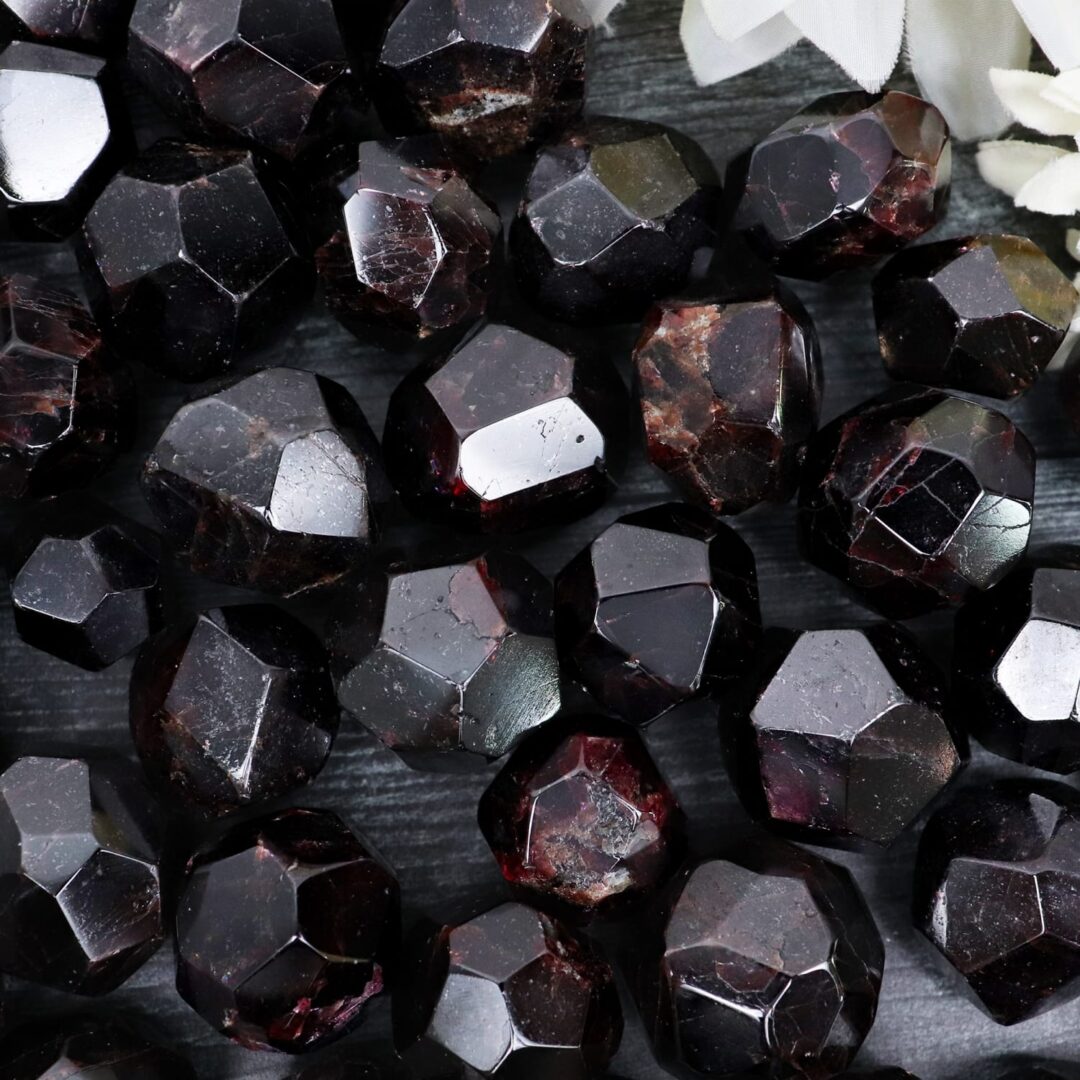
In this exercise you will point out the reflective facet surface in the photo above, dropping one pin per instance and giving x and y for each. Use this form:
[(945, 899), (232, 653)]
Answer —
[(97, 26)]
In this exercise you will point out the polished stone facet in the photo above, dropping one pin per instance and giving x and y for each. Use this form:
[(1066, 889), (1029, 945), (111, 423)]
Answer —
[(449, 664), (272, 483), (233, 707), (284, 928), (490, 76), (191, 258), (270, 73), (581, 818), (506, 434), (842, 735), (982, 314), (730, 391), (917, 500), (80, 899), (657, 610), (511, 993), (850, 179), (765, 963), (85, 582), (68, 406), (612, 218), (996, 891), (409, 247), (97, 26), (349, 1069)]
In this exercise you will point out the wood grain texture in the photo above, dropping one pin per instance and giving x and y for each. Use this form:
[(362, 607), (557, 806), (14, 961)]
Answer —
[(425, 824)]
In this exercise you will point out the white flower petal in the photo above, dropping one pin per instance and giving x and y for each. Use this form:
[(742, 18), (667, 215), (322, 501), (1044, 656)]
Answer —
[(1021, 92), (1008, 165), (1055, 189), (1064, 91), (712, 59), (1055, 25), (600, 10), (862, 36), (952, 46), (733, 18)]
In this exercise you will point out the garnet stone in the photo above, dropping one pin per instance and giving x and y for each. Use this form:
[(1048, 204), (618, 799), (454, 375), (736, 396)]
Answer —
[(851, 178), (917, 500), (284, 928), (97, 26)]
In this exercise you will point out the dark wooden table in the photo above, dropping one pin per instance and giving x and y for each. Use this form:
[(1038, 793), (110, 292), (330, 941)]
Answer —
[(424, 823)]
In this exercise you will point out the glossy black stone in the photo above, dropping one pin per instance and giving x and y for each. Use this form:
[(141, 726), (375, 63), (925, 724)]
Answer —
[(272, 483), (190, 257), (284, 929), (997, 892), (350, 1069), (612, 217), (841, 735), (659, 609), (508, 433), (97, 26), (233, 707), (917, 500), (85, 582), (80, 897)]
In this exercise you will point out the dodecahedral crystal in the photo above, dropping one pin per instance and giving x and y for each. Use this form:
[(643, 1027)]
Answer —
[(917, 500), (67, 405), (511, 993), (80, 899), (98, 26), (983, 314), (271, 73), (85, 582), (580, 817), (272, 483), (996, 887), (612, 218), (284, 929), (508, 433), (490, 76), (233, 707), (657, 610), (63, 133), (409, 246), (842, 735), (730, 391), (191, 258), (851, 178), (764, 963), (449, 664)]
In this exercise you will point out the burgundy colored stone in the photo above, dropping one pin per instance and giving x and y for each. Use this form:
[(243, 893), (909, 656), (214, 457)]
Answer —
[(506, 434), (917, 500), (730, 391), (581, 817), (97, 26), (850, 179), (67, 405), (511, 993), (284, 928), (658, 610)]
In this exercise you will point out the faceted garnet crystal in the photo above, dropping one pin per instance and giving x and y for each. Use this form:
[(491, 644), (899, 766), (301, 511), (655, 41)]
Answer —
[(272, 483), (506, 434), (67, 405), (511, 993), (764, 963), (996, 887), (350, 1069), (851, 178), (270, 73), (98, 26), (842, 735), (449, 664), (730, 391), (284, 928), (612, 218), (983, 314), (491, 76), (191, 258), (85, 582), (80, 900), (233, 707), (917, 500), (409, 246), (581, 817), (657, 610)]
